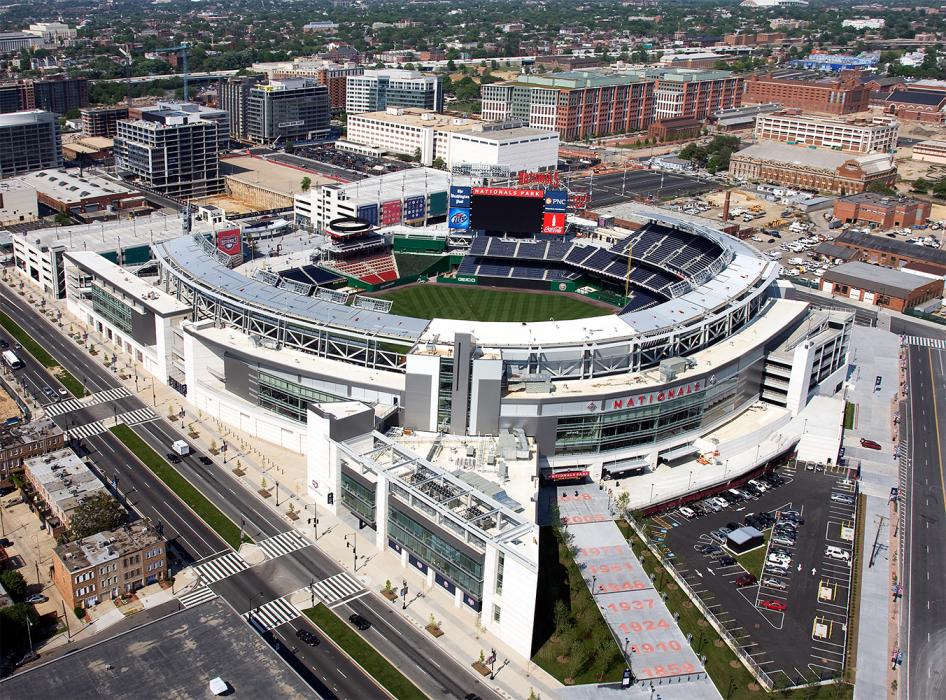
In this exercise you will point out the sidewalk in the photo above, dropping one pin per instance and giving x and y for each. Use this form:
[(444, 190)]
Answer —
[(284, 473), (876, 353)]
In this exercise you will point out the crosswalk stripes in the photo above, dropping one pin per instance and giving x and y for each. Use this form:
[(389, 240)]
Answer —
[(922, 341), (139, 415), (197, 596), (283, 543), (220, 568), (338, 587), (82, 432), (57, 409), (273, 614)]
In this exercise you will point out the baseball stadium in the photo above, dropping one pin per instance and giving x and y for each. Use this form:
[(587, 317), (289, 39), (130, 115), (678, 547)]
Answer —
[(434, 375)]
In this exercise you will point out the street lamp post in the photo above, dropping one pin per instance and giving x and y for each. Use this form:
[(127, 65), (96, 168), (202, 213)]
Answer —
[(353, 545)]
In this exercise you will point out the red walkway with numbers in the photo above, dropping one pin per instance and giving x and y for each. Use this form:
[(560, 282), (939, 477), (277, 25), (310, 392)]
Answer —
[(656, 648)]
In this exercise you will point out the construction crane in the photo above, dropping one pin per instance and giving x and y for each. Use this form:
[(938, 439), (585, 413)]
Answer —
[(126, 52), (183, 49)]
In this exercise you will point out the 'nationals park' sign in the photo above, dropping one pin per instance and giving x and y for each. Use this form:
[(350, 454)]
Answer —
[(648, 399)]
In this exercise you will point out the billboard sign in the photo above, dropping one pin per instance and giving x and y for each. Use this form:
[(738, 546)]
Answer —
[(369, 213), (437, 204), (550, 179), (391, 212), (556, 200), (460, 197), (414, 208), (508, 192), (553, 223), (459, 218), (229, 241), (580, 200)]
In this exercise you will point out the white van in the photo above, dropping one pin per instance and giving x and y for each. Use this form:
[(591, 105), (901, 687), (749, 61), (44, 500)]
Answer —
[(687, 512)]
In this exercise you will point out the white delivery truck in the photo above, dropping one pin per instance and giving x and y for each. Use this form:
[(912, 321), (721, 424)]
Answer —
[(181, 448)]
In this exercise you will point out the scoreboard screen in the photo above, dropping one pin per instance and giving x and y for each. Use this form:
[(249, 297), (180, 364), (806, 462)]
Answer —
[(507, 210)]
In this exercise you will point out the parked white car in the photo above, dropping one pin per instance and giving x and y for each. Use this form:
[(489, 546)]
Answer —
[(837, 553)]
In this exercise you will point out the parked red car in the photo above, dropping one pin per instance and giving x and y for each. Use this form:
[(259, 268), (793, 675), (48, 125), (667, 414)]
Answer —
[(776, 605), (870, 444), (745, 580)]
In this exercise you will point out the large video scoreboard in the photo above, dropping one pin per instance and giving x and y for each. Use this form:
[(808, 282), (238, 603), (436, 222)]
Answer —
[(508, 210)]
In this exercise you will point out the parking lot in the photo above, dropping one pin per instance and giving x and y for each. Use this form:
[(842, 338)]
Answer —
[(792, 620)]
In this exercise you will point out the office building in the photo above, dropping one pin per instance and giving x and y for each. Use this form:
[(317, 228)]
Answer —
[(376, 90), (18, 203), (812, 169), (102, 121), (171, 152), (287, 110), (332, 75), (809, 91), (29, 141), (233, 97), (12, 42), (930, 151), (509, 146), (53, 33), (583, 104), (881, 211), (61, 94), (881, 286), (848, 135), (16, 96), (109, 564)]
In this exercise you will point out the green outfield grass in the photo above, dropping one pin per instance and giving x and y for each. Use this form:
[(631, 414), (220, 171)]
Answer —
[(477, 304)]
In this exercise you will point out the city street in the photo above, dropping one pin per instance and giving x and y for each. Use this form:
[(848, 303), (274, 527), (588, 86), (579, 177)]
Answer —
[(924, 620), (427, 665)]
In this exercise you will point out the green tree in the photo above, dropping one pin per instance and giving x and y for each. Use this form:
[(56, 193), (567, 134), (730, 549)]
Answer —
[(439, 163), (96, 513), (63, 219), (13, 621), (922, 185), (305, 183), (881, 188), (14, 584)]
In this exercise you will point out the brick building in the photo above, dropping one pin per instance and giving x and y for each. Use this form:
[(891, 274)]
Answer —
[(809, 91), (911, 104), (930, 151), (892, 252), (880, 286), (812, 169), (109, 564), (675, 129), (19, 443), (884, 212), (102, 121)]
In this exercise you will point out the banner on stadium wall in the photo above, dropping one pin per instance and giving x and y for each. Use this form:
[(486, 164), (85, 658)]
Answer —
[(391, 212), (438, 204), (556, 201), (369, 213), (229, 241), (508, 192), (553, 223), (459, 218), (460, 197), (414, 208)]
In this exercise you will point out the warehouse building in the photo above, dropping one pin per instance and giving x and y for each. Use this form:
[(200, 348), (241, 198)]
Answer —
[(848, 135), (892, 252), (881, 211), (812, 169), (70, 192), (881, 286), (930, 151)]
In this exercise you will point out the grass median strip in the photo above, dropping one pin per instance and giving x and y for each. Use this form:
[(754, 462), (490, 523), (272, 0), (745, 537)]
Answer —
[(363, 653), (42, 356), (206, 510)]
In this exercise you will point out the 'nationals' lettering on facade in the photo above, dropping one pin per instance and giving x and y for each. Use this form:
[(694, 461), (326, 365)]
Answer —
[(653, 397)]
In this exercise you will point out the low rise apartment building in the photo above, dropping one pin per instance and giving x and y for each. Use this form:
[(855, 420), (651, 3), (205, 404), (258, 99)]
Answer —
[(882, 211), (61, 480), (102, 121), (109, 564), (878, 135), (21, 442)]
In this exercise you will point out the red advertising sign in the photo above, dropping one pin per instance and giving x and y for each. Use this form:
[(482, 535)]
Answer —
[(229, 241), (579, 200), (571, 475), (391, 212), (508, 192), (553, 223), (549, 179)]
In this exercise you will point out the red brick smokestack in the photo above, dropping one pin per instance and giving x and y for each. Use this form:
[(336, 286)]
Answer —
[(726, 206)]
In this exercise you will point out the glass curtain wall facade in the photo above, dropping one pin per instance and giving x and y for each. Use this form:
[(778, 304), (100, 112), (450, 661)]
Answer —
[(358, 498), (111, 309), (289, 399)]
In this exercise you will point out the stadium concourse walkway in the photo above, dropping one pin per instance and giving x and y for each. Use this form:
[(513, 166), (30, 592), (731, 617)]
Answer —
[(658, 652)]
